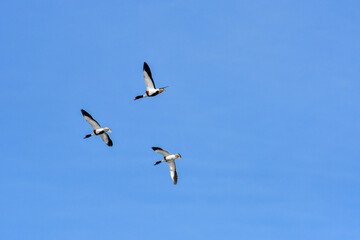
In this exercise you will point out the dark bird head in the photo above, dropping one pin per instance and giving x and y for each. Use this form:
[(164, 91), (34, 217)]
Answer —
[(157, 163), (87, 136), (138, 97)]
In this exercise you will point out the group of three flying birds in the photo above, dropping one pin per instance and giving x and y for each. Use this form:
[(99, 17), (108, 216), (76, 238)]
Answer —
[(151, 91)]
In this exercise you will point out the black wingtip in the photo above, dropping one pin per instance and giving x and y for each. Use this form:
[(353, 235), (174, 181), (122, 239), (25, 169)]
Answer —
[(146, 68), (175, 180), (84, 113), (156, 148)]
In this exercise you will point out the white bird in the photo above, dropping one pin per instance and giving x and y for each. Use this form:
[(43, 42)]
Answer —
[(151, 90), (98, 130), (170, 159)]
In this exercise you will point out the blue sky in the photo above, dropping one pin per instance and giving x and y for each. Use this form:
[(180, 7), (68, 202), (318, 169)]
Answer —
[(263, 106)]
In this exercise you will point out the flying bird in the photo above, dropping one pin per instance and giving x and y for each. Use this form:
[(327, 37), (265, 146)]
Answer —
[(98, 130), (170, 159), (151, 90)]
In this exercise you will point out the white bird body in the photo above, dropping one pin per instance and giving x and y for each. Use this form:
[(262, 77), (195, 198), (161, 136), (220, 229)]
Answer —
[(102, 130), (151, 90), (149, 93), (170, 159)]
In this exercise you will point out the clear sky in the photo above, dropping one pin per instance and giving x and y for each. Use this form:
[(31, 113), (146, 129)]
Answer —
[(263, 106)]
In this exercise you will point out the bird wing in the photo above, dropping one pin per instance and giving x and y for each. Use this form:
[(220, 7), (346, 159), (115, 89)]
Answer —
[(173, 172), (149, 82), (105, 137), (161, 151), (90, 119)]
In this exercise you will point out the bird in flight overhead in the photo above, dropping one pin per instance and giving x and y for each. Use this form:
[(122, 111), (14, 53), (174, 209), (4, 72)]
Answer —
[(151, 90), (170, 159), (98, 130)]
